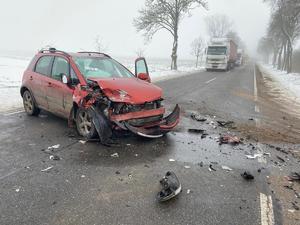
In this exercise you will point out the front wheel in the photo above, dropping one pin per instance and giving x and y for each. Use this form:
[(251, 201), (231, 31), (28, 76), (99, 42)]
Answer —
[(29, 104), (84, 124)]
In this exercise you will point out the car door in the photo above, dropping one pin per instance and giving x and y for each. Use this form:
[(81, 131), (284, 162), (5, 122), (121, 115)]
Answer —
[(38, 79), (59, 95)]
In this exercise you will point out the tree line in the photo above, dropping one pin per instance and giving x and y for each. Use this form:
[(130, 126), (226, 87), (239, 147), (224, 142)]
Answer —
[(282, 34)]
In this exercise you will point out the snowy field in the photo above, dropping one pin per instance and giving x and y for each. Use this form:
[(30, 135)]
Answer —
[(12, 68), (288, 83)]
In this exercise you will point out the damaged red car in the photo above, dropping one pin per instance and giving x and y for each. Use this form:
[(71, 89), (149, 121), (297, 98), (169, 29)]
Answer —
[(96, 93)]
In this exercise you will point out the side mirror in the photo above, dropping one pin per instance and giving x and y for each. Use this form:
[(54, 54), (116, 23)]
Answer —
[(65, 79), (141, 69), (143, 76)]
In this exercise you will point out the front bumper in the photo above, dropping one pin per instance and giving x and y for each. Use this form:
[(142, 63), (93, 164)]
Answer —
[(152, 130), (216, 66)]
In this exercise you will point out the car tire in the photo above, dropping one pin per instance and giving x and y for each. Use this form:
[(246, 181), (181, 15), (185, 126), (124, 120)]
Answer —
[(29, 104), (84, 124)]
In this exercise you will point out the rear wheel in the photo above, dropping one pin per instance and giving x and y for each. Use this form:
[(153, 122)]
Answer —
[(84, 124), (29, 104)]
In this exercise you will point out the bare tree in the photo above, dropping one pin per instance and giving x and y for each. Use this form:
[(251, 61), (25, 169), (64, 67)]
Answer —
[(140, 52), (284, 29), (99, 44), (167, 15), (218, 25), (197, 46)]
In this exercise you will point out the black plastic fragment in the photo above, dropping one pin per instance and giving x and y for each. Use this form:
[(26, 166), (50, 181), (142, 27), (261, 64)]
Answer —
[(247, 175), (171, 187)]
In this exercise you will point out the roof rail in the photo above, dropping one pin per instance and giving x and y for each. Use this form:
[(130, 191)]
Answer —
[(98, 53), (53, 50)]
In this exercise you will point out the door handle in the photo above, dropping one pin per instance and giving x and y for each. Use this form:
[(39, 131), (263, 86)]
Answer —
[(31, 78), (49, 84)]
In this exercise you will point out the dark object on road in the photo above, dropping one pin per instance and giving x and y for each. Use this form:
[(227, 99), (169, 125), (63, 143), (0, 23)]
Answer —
[(247, 176), (171, 187), (294, 176), (54, 157), (198, 118), (227, 139), (197, 131), (204, 135), (295, 206), (281, 159), (210, 168), (228, 124)]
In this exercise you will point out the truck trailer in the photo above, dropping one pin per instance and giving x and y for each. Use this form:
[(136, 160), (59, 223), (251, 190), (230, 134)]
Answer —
[(221, 54)]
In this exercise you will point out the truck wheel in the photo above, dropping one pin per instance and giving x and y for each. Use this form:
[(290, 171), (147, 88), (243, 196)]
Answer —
[(29, 105), (84, 124)]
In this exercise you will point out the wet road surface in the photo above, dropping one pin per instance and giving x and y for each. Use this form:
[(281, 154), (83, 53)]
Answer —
[(89, 186)]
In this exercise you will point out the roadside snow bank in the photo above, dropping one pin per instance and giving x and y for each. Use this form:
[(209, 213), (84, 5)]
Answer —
[(12, 68), (289, 82)]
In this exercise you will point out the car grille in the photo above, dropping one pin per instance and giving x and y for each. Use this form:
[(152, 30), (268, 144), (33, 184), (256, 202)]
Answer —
[(143, 121)]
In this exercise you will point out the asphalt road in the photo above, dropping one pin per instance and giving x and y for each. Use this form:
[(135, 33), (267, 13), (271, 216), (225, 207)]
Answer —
[(89, 186)]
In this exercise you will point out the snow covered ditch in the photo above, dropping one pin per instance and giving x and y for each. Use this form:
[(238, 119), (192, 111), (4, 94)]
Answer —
[(289, 83), (12, 68)]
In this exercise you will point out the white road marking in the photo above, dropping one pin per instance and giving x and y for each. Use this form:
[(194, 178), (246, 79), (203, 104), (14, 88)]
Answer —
[(13, 113), (207, 82), (266, 209), (256, 107), (260, 150)]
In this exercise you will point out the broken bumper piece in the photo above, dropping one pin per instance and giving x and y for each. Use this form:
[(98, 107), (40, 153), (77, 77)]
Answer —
[(166, 125), (171, 187)]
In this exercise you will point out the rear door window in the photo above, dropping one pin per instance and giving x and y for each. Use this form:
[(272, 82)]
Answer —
[(43, 65), (60, 67)]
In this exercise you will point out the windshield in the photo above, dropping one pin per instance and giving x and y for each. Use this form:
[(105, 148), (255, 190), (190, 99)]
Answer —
[(96, 67), (216, 50)]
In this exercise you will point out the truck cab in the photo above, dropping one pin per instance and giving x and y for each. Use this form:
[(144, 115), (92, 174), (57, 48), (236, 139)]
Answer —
[(221, 54)]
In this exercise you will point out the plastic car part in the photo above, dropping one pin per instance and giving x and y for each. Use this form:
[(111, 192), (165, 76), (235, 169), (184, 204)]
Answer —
[(101, 124), (171, 187)]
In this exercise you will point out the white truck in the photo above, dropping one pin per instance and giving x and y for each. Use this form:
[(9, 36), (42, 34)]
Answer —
[(221, 54)]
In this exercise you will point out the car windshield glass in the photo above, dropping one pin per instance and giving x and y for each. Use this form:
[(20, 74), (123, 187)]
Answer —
[(216, 50), (96, 67)]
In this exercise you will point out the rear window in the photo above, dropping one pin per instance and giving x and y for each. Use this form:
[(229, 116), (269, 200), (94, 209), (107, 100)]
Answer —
[(43, 65)]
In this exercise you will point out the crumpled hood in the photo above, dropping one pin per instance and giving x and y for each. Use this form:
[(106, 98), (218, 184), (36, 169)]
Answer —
[(129, 90)]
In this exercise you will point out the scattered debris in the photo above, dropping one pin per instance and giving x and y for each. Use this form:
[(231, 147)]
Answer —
[(226, 168), (247, 176), (227, 139), (200, 164), (188, 191), (294, 176), (254, 156), (187, 167), (210, 168), (118, 172), (204, 135), (295, 206), (291, 210), (281, 159), (136, 155), (128, 144), (129, 175), (171, 187), (82, 142), (51, 148), (115, 155), (172, 160), (54, 157), (227, 124), (47, 169), (197, 131), (82, 176), (17, 189), (198, 118)]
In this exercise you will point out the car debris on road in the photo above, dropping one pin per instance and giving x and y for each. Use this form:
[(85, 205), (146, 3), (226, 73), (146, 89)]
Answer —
[(228, 139), (210, 168), (226, 168), (47, 169), (247, 175), (171, 187), (115, 155), (294, 176), (198, 117), (227, 124), (54, 157), (197, 131), (254, 156)]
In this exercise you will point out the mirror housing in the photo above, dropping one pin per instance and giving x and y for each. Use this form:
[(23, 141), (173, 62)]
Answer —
[(65, 79), (144, 76)]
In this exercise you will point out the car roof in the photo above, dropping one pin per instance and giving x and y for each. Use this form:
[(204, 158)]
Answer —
[(72, 54)]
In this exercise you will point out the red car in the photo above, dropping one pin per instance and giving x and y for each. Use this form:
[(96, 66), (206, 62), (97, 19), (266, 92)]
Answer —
[(96, 93)]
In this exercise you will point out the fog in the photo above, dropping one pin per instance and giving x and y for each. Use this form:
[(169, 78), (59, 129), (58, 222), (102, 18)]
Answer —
[(26, 26)]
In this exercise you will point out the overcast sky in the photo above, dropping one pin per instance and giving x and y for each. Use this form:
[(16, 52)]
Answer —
[(72, 25)]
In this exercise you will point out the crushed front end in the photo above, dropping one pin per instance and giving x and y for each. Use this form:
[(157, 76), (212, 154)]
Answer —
[(146, 119)]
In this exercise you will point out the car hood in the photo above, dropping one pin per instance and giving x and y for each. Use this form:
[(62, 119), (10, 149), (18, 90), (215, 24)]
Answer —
[(129, 90)]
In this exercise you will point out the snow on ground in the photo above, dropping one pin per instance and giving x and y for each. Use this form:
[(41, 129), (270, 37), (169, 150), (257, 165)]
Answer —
[(289, 83), (12, 68)]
